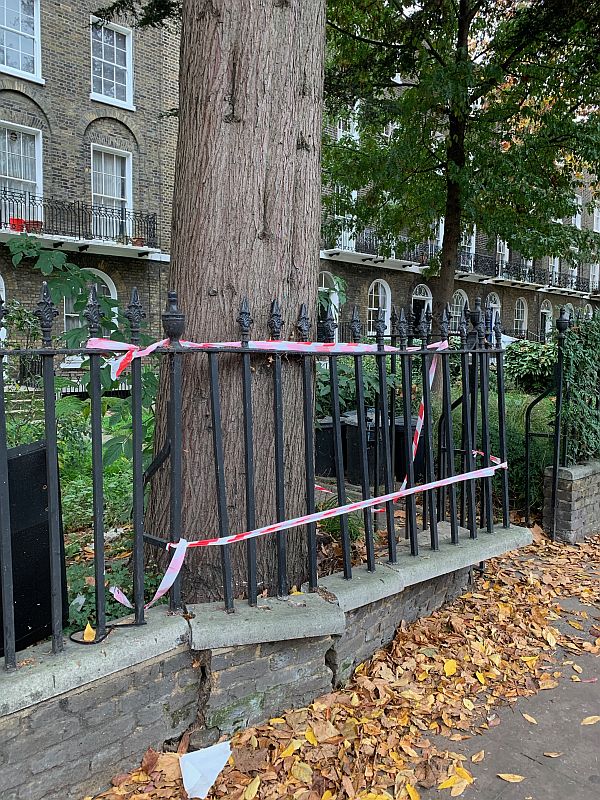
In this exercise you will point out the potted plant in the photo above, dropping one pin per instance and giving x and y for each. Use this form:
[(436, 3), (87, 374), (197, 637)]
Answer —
[(16, 224), (138, 241)]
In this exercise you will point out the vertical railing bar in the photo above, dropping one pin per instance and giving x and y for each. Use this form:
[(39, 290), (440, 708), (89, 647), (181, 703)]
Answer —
[(329, 326), (380, 326), (173, 324), (468, 438), (427, 433), (303, 327), (92, 315), (217, 436), (46, 311), (448, 427), (376, 455), (245, 321), (362, 438), (6, 564), (275, 324), (135, 314), (406, 371), (502, 423), (561, 325), (484, 361)]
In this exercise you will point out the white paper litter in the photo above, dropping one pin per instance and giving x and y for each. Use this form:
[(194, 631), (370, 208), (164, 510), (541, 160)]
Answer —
[(201, 768)]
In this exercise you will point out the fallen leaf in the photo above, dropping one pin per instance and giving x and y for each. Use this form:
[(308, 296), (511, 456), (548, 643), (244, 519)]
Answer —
[(302, 772), (450, 666), (252, 789), (464, 774), (552, 755), (89, 633), (529, 718), (149, 761), (590, 720), (478, 757), (412, 792), (324, 730), (294, 745), (310, 736), (458, 788), (510, 778), (449, 782)]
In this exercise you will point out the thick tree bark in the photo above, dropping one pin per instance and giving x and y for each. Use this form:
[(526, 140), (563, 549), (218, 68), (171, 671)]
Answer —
[(246, 219)]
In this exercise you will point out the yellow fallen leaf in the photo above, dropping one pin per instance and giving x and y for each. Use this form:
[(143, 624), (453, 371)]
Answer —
[(302, 772), (468, 703), (450, 667), (252, 789), (412, 792), (294, 745), (327, 795), (578, 669), (550, 637), (89, 633), (480, 678), (458, 788), (464, 774), (277, 721), (449, 782), (311, 738), (510, 778), (529, 718), (590, 720), (552, 755), (477, 757), (575, 678)]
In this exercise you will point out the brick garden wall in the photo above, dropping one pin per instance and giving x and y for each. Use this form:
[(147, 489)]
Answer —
[(578, 502)]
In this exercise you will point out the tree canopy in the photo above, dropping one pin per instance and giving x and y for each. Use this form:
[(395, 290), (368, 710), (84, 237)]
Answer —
[(479, 111)]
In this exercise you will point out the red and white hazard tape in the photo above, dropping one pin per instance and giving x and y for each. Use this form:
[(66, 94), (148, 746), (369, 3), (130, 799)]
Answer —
[(182, 546)]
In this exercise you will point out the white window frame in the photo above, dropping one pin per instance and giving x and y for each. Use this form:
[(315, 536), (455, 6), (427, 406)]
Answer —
[(421, 292), (596, 220), (128, 173), (520, 319), (493, 301), (34, 77), (127, 104), (466, 253), (594, 276), (576, 218), (372, 318), (547, 314), (326, 277), (570, 311), (455, 317), (502, 252), (588, 311), (39, 168), (553, 268)]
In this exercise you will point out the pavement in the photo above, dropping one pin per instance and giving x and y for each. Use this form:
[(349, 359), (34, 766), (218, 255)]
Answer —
[(517, 746)]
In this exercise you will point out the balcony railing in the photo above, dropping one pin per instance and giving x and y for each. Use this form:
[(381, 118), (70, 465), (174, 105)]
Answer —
[(523, 271), (23, 211)]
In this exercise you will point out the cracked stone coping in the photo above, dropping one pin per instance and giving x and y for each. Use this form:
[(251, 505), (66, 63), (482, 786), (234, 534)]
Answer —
[(296, 617)]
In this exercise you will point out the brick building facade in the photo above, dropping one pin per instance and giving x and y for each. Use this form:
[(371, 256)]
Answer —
[(87, 146)]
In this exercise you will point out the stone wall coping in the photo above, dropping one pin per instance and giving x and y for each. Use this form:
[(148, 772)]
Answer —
[(299, 616), (577, 471), (208, 627), (50, 675)]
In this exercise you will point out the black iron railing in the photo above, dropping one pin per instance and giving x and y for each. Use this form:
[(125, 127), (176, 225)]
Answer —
[(25, 212), (464, 505)]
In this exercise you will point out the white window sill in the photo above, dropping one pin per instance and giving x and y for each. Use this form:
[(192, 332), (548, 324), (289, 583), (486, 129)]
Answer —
[(26, 76), (111, 101)]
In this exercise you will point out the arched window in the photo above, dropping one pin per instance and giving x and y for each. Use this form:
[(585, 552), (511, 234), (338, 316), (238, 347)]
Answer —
[(380, 296), (588, 311), (521, 316), (546, 320), (421, 301), (493, 301), (106, 288), (570, 311), (459, 300)]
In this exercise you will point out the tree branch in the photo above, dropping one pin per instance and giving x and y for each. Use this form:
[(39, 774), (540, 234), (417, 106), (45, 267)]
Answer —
[(357, 37)]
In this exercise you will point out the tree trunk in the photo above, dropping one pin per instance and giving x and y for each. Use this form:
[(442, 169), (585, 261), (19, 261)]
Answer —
[(246, 223)]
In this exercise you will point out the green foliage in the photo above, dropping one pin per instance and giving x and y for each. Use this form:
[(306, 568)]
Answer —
[(581, 417), (494, 105), (347, 385), (530, 365), (77, 497), (331, 525)]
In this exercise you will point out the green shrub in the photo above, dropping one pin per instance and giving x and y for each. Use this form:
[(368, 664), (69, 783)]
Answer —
[(530, 365), (77, 497)]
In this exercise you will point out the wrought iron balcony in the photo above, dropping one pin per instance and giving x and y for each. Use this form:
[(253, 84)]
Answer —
[(22, 211)]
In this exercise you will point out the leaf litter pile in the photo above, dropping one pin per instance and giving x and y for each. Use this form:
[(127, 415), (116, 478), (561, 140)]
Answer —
[(444, 674)]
